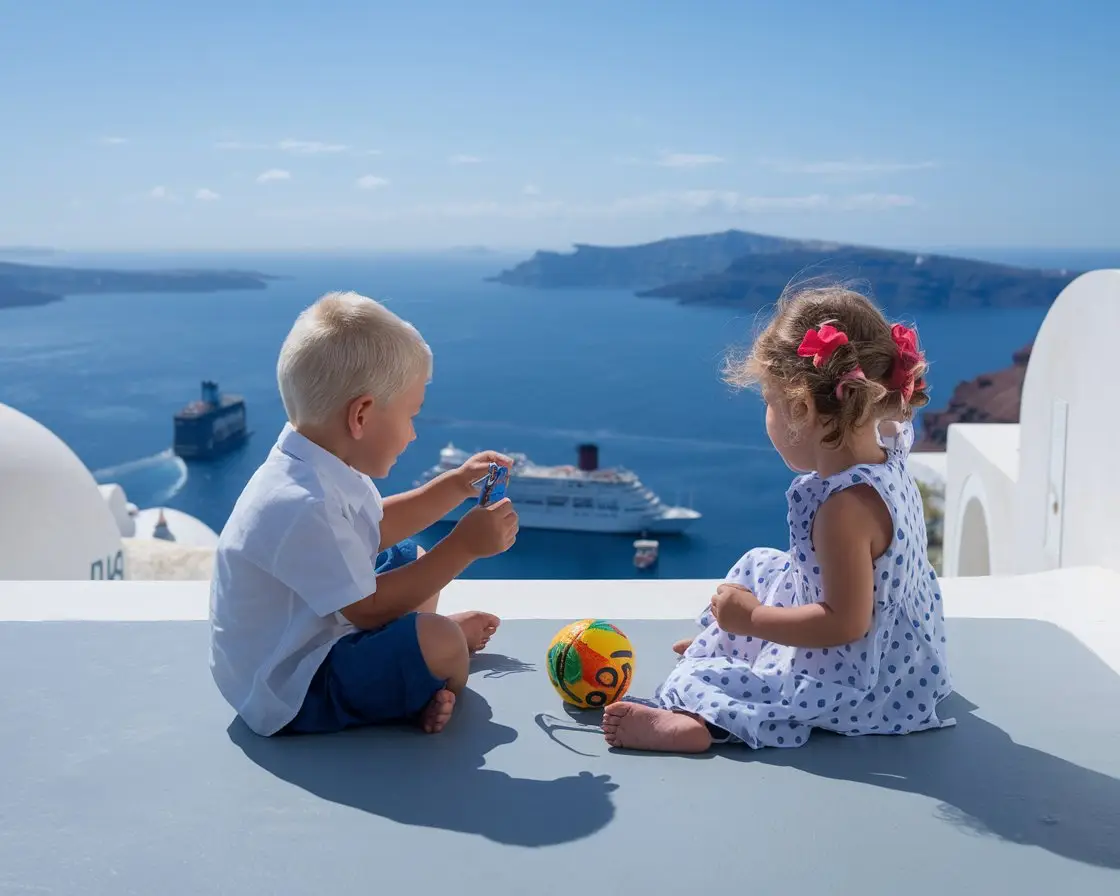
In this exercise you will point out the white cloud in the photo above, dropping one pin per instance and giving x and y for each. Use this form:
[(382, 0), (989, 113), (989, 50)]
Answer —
[(531, 190), (688, 159), (160, 194), (669, 204), (850, 167), (310, 147), (680, 202), (465, 160), (876, 202), (297, 147), (485, 208), (707, 201), (113, 141), (273, 174), (205, 194), (732, 201), (371, 182), (238, 144)]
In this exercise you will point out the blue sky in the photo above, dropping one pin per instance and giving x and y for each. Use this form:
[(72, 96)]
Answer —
[(346, 125)]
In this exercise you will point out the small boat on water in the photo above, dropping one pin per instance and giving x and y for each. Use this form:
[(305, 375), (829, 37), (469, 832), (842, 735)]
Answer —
[(646, 553)]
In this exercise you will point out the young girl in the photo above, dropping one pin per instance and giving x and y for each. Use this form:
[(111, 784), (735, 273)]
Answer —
[(845, 631)]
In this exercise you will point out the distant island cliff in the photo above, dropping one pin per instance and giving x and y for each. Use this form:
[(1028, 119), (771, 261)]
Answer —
[(30, 284), (748, 270), (992, 397)]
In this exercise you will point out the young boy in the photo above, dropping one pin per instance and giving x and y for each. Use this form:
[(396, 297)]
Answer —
[(322, 613)]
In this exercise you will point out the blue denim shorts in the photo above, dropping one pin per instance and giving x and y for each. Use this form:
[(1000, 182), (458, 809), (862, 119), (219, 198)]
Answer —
[(372, 676)]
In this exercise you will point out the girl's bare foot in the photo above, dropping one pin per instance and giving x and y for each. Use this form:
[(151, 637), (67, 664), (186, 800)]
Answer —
[(478, 627), (634, 726), (438, 711), (682, 645)]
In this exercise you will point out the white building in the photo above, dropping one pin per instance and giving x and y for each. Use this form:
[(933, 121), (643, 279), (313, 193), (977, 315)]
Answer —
[(57, 523), (1041, 495)]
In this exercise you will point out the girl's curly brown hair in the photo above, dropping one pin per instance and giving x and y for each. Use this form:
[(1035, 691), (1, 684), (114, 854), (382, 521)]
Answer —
[(877, 374)]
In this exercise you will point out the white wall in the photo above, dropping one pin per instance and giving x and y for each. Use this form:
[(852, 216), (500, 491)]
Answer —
[(1073, 372), (117, 502), (982, 470)]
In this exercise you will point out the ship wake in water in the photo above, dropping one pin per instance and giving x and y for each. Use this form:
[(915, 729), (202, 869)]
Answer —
[(152, 480)]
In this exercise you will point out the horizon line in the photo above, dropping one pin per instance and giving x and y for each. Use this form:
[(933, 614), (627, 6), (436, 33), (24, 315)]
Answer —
[(16, 250)]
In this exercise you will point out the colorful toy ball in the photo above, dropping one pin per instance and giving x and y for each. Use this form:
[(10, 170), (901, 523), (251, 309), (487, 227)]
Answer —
[(590, 663)]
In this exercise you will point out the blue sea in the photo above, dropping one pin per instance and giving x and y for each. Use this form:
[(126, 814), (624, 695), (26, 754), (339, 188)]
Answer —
[(515, 370)]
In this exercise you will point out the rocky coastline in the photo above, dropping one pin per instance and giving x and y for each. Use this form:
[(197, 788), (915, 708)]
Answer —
[(23, 285), (739, 269), (992, 397)]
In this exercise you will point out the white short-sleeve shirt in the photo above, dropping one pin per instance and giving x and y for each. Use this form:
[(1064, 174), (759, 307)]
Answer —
[(299, 546)]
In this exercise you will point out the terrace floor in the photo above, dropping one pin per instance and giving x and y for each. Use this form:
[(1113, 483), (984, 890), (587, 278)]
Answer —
[(123, 771)]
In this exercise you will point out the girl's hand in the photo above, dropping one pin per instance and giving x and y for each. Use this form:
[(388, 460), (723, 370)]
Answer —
[(732, 606)]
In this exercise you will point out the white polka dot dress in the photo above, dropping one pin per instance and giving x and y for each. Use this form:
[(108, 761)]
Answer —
[(888, 682)]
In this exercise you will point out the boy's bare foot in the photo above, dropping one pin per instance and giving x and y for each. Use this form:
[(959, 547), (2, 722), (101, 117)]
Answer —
[(478, 627), (682, 645), (634, 726), (436, 714)]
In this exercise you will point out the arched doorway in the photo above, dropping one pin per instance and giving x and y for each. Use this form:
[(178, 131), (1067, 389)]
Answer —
[(974, 554)]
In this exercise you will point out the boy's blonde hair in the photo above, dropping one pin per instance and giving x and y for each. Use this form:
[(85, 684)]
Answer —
[(878, 372), (343, 346)]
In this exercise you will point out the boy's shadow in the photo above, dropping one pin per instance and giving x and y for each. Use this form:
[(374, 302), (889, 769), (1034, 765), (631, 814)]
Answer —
[(436, 780), (984, 781)]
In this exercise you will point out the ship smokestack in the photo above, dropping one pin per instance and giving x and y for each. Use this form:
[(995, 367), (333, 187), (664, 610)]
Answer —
[(588, 457)]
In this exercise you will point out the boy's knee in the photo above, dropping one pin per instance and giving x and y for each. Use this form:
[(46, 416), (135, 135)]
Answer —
[(442, 644)]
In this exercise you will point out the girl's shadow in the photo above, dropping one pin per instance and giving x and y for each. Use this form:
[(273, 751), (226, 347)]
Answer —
[(984, 781)]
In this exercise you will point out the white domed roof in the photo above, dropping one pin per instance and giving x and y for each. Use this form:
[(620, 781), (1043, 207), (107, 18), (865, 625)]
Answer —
[(54, 522), (182, 528)]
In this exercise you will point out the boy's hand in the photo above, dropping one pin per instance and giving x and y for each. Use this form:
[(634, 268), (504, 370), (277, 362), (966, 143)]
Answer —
[(732, 606), (476, 467), (486, 531)]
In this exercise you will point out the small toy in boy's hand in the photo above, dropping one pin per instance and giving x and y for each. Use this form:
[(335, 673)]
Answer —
[(493, 485)]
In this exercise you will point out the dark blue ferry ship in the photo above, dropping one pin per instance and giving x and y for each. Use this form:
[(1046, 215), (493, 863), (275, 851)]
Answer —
[(211, 427)]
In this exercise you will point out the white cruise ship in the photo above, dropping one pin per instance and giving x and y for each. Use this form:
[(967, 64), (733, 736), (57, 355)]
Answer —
[(579, 498)]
